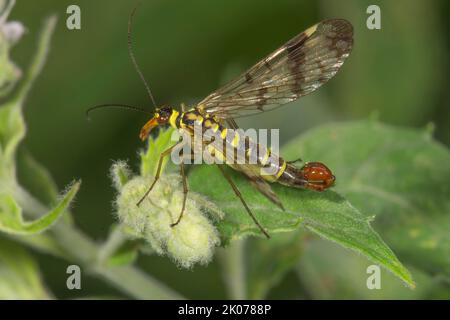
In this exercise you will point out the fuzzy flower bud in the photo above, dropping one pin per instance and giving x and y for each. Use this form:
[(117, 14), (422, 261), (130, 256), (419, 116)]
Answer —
[(191, 241)]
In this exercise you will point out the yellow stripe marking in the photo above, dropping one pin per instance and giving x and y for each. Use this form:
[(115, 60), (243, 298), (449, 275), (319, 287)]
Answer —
[(191, 116), (283, 168), (208, 123), (173, 118), (235, 141), (266, 157), (200, 119), (223, 134), (182, 125)]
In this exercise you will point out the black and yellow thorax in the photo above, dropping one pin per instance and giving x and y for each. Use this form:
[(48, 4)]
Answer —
[(187, 120)]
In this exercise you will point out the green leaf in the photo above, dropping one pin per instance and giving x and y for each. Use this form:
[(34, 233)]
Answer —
[(269, 261), (41, 242), (329, 272), (12, 125), (19, 274), (400, 175), (156, 145), (36, 179), (125, 254), (12, 130), (327, 214), (11, 220), (33, 175)]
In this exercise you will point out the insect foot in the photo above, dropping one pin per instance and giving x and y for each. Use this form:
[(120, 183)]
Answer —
[(194, 238)]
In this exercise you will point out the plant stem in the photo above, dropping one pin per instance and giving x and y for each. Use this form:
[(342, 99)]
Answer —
[(75, 245), (115, 239), (84, 251), (234, 269)]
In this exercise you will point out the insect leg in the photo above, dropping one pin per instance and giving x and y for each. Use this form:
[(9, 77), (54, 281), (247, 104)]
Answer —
[(158, 172), (294, 161), (185, 191), (238, 194), (232, 123)]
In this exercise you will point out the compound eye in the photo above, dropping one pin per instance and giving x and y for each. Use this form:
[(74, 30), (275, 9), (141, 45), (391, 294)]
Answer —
[(165, 113)]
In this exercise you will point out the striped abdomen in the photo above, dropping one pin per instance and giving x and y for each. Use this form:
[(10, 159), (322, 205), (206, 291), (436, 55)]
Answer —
[(242, 153)]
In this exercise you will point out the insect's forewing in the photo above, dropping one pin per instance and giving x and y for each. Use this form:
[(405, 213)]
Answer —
[(297, 68)]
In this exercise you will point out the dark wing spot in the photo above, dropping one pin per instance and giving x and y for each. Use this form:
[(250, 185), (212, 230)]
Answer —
[(340, 32), (296, 57)]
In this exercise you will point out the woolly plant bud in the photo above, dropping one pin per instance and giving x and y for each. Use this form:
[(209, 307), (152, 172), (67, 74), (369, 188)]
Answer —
[(120, 173), (191, 241)]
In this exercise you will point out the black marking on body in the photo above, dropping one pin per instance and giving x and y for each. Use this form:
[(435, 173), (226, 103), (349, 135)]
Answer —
[(190, 117), (246, 148), (178, 120), (208, 123)]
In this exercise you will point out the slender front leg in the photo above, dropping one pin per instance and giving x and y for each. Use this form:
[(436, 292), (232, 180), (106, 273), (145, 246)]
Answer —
[(158, 171), (238, 194), (185, 191)]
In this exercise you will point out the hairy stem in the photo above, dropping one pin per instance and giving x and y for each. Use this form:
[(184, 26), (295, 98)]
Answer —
[(234, 269), (72, 244), (115, 239), (85, 252)]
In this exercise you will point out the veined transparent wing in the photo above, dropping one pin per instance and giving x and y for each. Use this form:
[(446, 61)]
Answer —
[(296, 69)]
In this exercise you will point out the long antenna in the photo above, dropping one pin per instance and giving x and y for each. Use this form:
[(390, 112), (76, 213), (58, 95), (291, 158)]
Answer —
[(133, 59), (116, 105)]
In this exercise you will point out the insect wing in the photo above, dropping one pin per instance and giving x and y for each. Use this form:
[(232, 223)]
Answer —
[(296, 69)]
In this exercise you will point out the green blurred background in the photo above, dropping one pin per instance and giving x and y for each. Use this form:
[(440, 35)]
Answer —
[(187, 49)]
